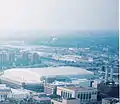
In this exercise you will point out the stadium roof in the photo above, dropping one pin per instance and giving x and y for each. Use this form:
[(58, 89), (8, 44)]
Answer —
[(20, 76), (34, 74), (54, 71)]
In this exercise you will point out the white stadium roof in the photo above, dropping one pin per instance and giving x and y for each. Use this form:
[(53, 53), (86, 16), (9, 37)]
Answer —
[(34, 74), (21, 75)]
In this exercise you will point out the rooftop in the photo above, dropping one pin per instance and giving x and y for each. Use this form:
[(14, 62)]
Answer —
[(54, 71), (3, 88), (111, 98), (21, 75), (41, 98), (77, 88), (20, 91)]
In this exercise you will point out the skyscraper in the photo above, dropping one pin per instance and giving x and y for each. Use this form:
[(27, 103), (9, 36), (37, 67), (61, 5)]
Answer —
[(35, 58)]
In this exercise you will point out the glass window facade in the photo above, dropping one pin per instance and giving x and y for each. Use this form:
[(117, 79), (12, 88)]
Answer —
[(84, 95)]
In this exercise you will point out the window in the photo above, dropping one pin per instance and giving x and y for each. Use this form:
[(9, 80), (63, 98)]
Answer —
[(92, 93), (96, 92), (65, 94), (78, 95), (89, 95), (81, 97), (61, 93), (70, 95), (84, 96)]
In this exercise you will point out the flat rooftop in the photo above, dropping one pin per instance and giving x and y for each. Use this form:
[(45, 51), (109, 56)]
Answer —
[(41, 98), (77, 88)]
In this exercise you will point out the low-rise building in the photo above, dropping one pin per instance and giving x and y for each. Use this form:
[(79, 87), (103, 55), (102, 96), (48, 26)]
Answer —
[(65, 101), (19, 94), (50, 89), (110, 100), (4, 92), (86, 95), (41, 100)]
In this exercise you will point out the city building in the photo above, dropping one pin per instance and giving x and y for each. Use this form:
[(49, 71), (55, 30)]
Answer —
[(35, 58), (3, 60), (86, 95), (110, 100), (66, 101), (4, 92), (108, 87), (37, 87), (82, 82), (95, 83), (11, 58), (51, 88), (25, 58), (19, 94), (41, 100)]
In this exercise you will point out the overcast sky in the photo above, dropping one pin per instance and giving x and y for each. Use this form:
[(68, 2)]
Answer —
[(59, 14)]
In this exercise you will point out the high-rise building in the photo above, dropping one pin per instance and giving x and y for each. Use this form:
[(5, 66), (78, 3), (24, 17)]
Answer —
[(25, 58), (11, 58), (3, 59), (35, 58)]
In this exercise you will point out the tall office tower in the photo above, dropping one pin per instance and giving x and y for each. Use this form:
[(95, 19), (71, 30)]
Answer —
[(35, 58), (0, 60), (111, 74), (3, 60), (106, 74), (11, 58), (25, 58), (106, 70)]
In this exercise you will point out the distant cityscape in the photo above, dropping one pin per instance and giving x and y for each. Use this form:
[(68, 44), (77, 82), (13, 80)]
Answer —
[(59, 52), (43, 74)]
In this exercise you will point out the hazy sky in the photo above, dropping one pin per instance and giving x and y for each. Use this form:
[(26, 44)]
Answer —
[(59, 14)]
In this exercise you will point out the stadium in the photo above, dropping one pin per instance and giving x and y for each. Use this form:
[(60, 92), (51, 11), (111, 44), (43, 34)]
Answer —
[(32, 77)]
